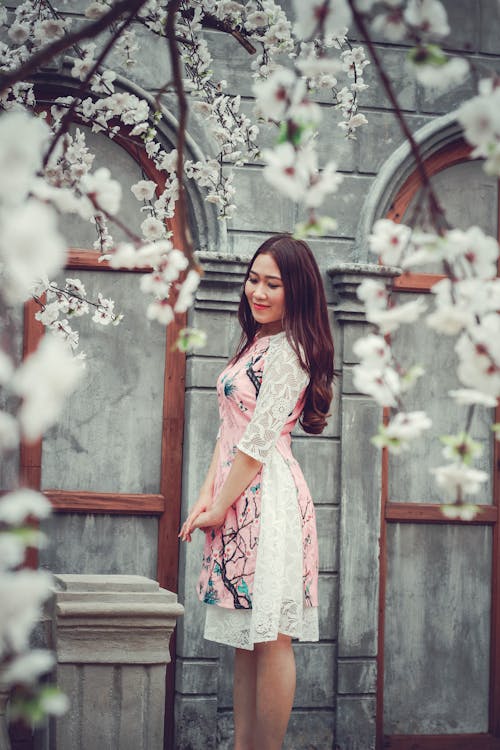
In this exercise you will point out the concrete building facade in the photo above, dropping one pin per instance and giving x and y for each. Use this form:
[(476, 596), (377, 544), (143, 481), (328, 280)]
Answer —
[(406, 601)]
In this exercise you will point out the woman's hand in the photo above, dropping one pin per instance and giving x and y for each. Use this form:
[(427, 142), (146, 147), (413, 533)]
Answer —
[(187, 527), (210, 518), (202, 519)]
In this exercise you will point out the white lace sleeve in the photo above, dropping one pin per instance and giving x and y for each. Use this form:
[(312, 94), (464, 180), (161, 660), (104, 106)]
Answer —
[(283, 381)]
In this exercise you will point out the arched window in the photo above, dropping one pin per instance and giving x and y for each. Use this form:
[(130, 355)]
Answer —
[(439, 626)]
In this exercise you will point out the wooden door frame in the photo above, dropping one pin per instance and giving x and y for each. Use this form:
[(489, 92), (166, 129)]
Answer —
[(394, 512)]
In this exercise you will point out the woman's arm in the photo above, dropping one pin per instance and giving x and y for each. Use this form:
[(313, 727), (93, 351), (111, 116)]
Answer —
[(241, 473), (204, 497)]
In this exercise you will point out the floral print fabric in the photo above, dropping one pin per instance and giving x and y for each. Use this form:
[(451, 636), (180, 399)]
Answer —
[(260, 399)]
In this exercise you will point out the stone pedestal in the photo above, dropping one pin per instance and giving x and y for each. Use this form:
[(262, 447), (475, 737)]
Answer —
[(111, 636)]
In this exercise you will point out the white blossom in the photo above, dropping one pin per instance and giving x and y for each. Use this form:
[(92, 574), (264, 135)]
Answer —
[(161, 311), (172, 264), (429, 16), (49, 314), (155, 283), (30, 247), (152, 228), (95, 10), (21, 594), (373, 294), (372, 350), (81, 67), (49, 29), (144, 190), (389, 240), (403, 427), (391, 24), (187, 291), (44, 380), (390, 320), (23, 139), (286, 170), (53, 701), (16, 506), (458, 477), (322, 184), (441, 77), (469, 396), (104, 313), (28, 667), (382, 384), (12, 550), (449, 319), (480, 120), (19, 32), (478, 350), (274, 96), (104, 192), (463, 511), (310, 16), (477, 251)]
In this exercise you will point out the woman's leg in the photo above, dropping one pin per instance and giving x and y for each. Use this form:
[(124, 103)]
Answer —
[(275, 691), (244, 692)]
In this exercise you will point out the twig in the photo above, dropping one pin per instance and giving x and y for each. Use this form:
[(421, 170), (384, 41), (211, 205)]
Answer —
[(211, 22), (435, 207), (66, 120), (173, 8), (89, 31)]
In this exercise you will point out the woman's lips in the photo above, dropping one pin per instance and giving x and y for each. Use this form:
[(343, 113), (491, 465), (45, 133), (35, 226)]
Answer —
[(260, 307)]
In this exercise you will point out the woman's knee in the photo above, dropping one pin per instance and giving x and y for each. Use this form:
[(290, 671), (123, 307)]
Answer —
[(283, 642)]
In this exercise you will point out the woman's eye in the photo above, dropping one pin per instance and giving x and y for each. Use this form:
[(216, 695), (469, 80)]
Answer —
[(252, 281), (273, 286)]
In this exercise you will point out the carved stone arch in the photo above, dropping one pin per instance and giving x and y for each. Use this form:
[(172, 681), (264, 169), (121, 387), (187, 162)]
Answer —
[(431, 138), (209, 234)]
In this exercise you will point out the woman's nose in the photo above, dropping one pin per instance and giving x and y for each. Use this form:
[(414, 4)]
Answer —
[(259, 291)]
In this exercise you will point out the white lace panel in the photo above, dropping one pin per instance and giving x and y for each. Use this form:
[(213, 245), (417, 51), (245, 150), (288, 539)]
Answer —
[(278, 604), (283, 381)]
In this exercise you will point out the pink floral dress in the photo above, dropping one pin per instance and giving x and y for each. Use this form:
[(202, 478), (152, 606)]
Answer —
[(260, 568)]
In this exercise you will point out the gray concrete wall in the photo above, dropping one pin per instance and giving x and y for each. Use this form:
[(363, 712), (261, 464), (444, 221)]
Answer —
[(336, 693), (335, 702)]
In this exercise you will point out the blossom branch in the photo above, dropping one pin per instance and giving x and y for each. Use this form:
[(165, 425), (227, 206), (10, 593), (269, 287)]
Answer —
[(66, 120), (187, 242), (90, 31), (434, 204)]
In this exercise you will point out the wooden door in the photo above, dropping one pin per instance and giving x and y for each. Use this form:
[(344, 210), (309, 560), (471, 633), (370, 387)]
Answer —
[(439, 616)]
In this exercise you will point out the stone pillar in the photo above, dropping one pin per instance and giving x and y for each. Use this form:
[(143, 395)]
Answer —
[(360, 507), (111, 636), (201, 665)]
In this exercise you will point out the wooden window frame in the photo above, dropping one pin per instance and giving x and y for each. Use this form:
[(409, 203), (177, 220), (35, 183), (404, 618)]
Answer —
[(166, 504), (393, 512)]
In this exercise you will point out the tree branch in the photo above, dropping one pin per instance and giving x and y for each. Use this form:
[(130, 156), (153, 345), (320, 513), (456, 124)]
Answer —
[(89, 31), (211, 22), (175, 59), (435, 207), (63, 127)]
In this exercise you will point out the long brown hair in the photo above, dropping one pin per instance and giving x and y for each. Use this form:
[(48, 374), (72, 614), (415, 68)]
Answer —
[(305, 323)]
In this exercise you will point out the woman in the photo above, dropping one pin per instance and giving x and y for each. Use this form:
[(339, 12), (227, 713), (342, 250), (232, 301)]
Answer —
[(260, 564)]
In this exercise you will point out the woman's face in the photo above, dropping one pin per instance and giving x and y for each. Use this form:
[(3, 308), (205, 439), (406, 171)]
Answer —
[(265, 293)]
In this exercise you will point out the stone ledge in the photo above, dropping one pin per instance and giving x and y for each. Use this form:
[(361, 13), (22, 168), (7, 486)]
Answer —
[(346, 278), (118, 619)]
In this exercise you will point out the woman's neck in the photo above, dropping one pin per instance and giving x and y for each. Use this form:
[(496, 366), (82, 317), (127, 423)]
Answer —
[(269, 329)]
